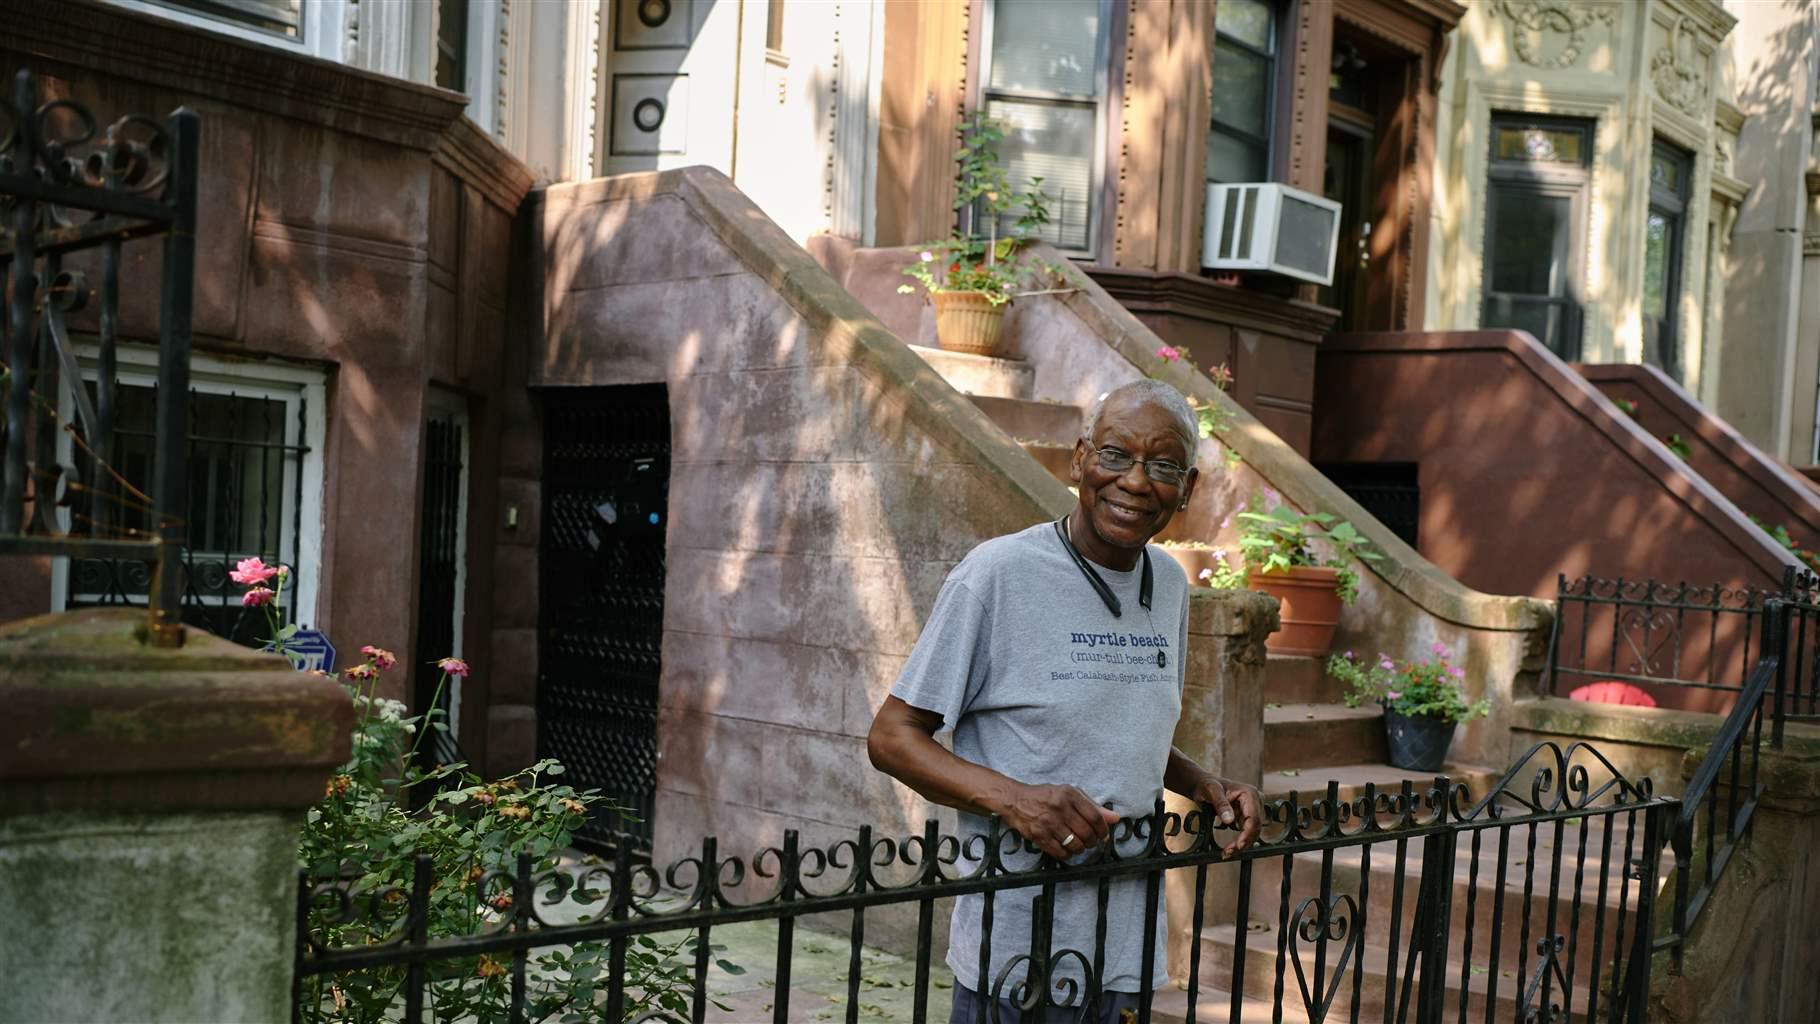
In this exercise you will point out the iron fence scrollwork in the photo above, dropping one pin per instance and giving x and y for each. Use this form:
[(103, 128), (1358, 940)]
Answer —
[(73, 193), (1353, 940)]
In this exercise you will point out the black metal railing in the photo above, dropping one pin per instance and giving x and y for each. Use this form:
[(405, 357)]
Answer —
[(71, 194), (1705, 836), (1370, 899), (1650, 633)]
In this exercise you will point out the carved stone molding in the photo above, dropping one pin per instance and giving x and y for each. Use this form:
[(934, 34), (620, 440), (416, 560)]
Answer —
[(1551, 34), (1677, 70)]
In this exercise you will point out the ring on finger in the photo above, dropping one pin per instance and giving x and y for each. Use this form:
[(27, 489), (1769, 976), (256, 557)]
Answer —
[(1068, 842)]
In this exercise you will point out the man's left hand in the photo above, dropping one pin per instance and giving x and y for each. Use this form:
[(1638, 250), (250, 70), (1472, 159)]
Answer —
[(1235, 805)]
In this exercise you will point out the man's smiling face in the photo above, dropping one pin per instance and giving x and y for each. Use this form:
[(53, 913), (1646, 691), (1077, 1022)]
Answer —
[(1124, 510)]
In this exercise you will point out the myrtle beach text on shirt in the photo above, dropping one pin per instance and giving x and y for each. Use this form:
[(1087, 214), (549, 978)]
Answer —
[(1116, 649)]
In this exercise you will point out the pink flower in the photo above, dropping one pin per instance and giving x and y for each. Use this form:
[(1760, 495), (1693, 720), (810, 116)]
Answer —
[(382, 658), (453, 667), (1222, 377), (1393, 694), (1271, 497), (1440, 649), (258, 597), (1349, 656), (1457, 672), (252, 571), (1226, 523), (1206, 574), (364, 670), (1387, 665), (1169, 353)]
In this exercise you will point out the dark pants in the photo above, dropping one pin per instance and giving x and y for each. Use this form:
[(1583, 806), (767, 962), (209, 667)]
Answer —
[(970, 1008)]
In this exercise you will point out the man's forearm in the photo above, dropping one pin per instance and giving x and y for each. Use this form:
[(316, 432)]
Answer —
[(1183, 776), (940, 775)]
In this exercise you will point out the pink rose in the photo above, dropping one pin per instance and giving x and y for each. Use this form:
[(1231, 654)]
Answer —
[(453, 667), (258, 597), (252, 571)]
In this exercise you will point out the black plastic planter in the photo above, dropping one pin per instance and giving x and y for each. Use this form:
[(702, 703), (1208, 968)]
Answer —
[(1418, 743)]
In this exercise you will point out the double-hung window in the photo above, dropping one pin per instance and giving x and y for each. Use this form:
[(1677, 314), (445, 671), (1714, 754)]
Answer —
[(1535, 215), (452, 44), (1663, 239), (255, 479), (1045, 80), (1244, 91)]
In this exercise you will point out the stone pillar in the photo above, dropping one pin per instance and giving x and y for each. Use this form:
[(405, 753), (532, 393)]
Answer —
[(1222, 728), (149, 807), (1769, 891)]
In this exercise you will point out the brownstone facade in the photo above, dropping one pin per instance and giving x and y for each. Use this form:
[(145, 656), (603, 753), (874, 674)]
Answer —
[(353, 227), (1147, 249)]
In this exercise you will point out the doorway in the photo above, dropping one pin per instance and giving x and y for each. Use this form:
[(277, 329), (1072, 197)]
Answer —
[(606, 478)]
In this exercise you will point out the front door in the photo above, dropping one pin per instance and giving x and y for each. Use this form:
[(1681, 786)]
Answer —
[(668, 84), (606, 479)]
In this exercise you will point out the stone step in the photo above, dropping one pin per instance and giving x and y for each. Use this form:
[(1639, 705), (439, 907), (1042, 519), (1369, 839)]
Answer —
[(1049, 422), (1476, 893), (1502, 988), (1170, 1006), (1291, 679), (1311, 783), (1056, 458), (981, 375), (1300, 736)]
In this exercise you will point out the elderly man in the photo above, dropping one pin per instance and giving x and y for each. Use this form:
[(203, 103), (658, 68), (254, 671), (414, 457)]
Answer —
[(1055, 732)]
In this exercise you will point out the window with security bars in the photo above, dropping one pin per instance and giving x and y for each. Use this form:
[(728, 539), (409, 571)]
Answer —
[(1245, 48), (253, 475), (1045, 82), (278, 17)]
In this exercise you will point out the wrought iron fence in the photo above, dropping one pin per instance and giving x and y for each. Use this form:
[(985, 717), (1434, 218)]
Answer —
[(72, 194), (1699, 637), (1371, 898)]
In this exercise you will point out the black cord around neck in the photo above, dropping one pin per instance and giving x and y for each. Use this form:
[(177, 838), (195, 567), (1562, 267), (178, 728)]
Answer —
[(1098, 583)]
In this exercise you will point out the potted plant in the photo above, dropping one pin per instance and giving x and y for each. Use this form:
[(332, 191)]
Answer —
[(970, 278), (1278, 548), (1422, 702)]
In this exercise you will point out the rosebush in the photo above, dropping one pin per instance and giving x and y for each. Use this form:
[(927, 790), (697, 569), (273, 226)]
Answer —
[(364, 834)]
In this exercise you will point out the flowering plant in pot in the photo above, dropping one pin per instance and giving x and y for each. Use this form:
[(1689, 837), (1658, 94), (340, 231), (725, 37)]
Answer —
[(1281, 553), (970, 278), (1422, 702)]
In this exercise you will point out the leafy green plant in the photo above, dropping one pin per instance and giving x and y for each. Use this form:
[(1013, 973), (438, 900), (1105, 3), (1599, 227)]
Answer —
[(982, 261), (1426, 688), (1211, 417), (1282, 539), (1780, 532), (364, 833), (1678, 444)]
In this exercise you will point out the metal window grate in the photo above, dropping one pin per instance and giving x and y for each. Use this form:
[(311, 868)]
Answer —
[(245, 497)]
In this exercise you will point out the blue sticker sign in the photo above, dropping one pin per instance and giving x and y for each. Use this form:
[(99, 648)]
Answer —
[(309, 649)]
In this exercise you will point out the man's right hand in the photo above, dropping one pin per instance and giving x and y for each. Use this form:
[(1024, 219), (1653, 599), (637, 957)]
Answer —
[(1061, 821)]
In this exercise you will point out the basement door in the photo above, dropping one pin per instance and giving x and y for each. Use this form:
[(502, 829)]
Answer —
[(606, 477)]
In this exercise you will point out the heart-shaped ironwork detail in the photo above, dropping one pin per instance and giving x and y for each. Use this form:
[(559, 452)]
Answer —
[(1333, 921)]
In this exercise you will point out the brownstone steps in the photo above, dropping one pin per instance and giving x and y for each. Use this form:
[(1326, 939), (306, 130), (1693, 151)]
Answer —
[(1051, 423), (1055, 458), (981, 375), (1311, 736), (1292, 679)]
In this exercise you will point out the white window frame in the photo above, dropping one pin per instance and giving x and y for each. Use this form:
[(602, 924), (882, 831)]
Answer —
[(138, 366), (319, 30)]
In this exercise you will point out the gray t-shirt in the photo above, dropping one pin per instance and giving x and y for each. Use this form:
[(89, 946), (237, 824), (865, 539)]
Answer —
[(1039, 682)]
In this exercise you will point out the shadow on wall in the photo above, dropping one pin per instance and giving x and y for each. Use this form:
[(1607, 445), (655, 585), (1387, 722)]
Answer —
[(1527, 473), (824, 480)]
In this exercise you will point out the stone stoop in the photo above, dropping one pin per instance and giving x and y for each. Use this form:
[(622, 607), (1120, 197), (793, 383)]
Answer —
[(981, 375), (1051, 423)]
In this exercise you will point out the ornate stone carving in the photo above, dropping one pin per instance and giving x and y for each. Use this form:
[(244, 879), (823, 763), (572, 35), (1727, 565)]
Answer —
[(1551, 34), (1677, 70)]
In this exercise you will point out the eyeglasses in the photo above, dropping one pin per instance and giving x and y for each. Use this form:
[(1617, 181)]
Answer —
[(1160, 471)]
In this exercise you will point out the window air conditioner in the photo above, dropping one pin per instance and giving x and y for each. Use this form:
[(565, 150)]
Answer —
[(1271, 227)]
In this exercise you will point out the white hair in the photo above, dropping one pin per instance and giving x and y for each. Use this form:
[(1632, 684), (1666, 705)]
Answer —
[(1150, 390)]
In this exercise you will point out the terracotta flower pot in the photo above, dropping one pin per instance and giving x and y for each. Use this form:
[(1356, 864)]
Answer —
[(1311, 609), (967, 322), (1193, 561)]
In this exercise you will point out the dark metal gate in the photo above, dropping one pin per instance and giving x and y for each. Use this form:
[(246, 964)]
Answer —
[(605, 487), (440, 538)]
